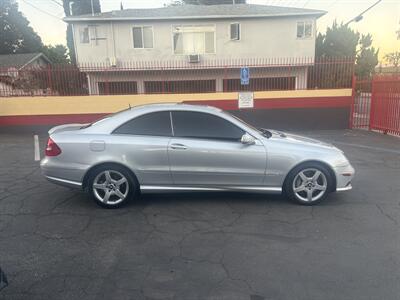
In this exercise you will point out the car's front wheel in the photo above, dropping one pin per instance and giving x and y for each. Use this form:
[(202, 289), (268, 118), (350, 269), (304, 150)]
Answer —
[(111, 186), (308, 184)]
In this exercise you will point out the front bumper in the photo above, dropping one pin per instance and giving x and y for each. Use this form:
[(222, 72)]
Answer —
[(344, 176)]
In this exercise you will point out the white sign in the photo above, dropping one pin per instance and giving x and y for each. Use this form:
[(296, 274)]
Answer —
[(246, 100)]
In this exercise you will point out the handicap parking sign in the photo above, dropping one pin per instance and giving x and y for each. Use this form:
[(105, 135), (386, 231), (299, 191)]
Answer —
[(244, 76)]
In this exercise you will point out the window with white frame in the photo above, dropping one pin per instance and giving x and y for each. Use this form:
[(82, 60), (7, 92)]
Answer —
[(235, 31), (84, 35), (142, 37), (194, 39), (304, 29)]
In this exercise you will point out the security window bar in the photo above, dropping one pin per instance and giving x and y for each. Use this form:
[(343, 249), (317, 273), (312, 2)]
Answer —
[(304, 29), (235, 31), (194, 39), (142, 37)]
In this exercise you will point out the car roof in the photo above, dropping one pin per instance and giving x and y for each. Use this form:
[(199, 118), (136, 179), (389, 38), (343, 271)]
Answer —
[(154, 107), (175, 106), (109, 123)]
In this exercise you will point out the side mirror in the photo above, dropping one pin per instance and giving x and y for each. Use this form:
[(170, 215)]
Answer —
[(247, 139)]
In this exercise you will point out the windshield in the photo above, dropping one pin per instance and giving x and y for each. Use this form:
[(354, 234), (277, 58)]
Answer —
[(262, 131)]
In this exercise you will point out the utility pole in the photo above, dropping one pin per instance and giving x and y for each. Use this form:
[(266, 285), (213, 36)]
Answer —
[(91, 3), (359, 17)]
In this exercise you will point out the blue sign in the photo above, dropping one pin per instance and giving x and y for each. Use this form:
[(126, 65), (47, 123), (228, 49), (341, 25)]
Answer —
[(244, 76)]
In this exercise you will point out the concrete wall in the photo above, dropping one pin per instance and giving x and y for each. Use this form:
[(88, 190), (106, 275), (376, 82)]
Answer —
[(274, 109), (263, 37)]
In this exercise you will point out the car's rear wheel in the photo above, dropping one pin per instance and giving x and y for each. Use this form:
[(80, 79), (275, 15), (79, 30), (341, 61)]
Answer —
[(308, 184), (111, 186)]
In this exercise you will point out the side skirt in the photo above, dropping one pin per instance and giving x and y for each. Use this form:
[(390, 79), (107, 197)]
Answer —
[(160, 188), (64, 182)]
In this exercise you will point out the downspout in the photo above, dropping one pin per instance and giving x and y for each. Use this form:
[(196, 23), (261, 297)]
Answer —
[(112, 40), (73, 38)]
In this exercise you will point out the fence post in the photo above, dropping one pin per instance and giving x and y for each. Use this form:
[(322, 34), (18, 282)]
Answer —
[(353, 100), (372, 105), (49, 81), (163, 81), (224, 81), (107, 87)]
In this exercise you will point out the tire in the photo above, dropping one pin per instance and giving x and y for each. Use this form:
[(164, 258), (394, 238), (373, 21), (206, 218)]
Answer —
[(112, 186), (308, 184)]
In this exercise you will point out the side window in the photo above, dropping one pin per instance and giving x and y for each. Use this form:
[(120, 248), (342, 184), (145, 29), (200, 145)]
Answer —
[(304, 29), (235, 31), (84, 35), (203, 125), (157, 124), (308, 29), (142, 37)]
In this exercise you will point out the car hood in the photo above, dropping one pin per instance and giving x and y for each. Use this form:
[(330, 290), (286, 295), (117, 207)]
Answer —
[(298, 139)]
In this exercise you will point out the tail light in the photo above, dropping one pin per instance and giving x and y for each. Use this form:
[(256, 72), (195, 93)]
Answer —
[(52, 148)]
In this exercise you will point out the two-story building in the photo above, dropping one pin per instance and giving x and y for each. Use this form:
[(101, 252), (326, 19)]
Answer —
[(165, 49)]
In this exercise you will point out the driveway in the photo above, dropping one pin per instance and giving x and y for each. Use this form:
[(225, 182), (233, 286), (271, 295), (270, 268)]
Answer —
[(55, 243)]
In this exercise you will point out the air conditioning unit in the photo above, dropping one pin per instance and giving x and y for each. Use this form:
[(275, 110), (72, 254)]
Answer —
[(194, 58), (113, 61)]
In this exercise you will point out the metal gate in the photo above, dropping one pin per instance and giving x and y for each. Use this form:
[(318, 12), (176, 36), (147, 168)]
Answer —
[(376, 104), (362, 103)]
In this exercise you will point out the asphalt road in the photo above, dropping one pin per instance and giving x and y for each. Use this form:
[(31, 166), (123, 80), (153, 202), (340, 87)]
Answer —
[(55, 243)]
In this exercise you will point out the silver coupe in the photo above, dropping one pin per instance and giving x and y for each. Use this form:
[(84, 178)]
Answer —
[(179, 147)]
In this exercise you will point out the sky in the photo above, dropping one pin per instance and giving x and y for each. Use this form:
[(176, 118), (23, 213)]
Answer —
[(382, 21)]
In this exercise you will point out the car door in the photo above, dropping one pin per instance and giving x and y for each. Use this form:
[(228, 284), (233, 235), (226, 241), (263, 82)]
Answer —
[(142, 144), (206, 150)]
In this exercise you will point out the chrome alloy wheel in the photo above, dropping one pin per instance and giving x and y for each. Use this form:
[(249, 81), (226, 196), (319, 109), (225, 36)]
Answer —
[(310, 185), (110, 187)]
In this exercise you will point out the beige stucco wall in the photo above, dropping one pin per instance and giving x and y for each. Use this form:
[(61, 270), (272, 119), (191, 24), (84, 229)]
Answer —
[(64, 105), (260, 38)]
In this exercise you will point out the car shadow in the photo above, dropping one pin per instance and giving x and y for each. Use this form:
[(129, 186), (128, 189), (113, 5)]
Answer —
[(208, 197), (83, 200), (231, 197)]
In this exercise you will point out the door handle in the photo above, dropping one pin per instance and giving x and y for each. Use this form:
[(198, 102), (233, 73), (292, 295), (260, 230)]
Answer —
[(178, 147)]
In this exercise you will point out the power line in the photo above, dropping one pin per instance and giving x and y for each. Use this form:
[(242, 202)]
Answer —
[(360, 16), (306, 3), (41, 10), (57, 3), (332, 4)]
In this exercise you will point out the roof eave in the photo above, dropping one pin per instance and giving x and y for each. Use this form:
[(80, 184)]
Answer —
[(35, 58), (98, 18)]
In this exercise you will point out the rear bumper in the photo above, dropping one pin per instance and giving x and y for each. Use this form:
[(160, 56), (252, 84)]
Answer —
[(69, 175), (344, 176)]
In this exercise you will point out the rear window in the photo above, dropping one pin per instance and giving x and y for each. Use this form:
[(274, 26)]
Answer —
[(153, 124), (104, 118)]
